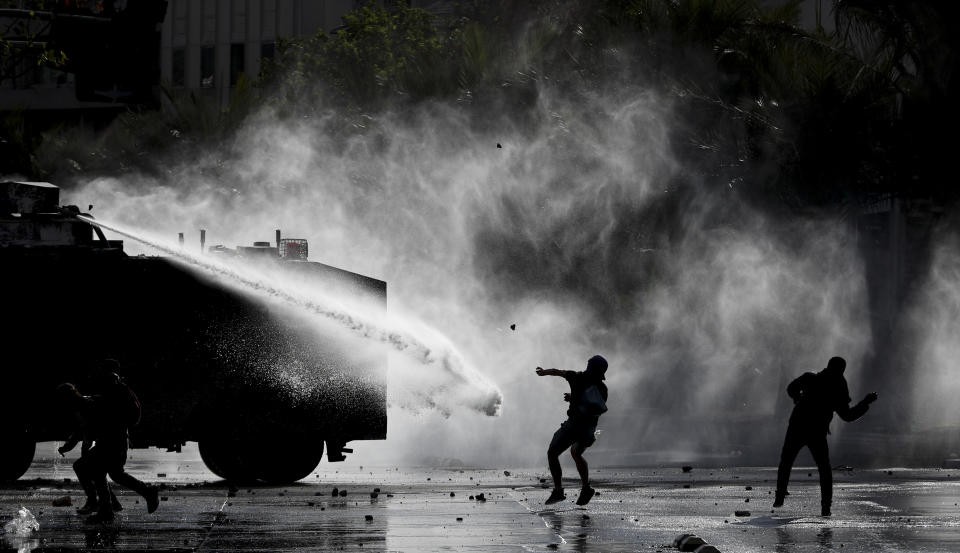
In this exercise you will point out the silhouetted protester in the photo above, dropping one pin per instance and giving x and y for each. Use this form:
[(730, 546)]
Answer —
[(79, 405), (816, 397), (114, 410), (587, 397)]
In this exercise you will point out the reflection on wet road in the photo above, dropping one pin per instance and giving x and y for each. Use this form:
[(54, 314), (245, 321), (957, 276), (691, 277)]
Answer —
[(438, 510)]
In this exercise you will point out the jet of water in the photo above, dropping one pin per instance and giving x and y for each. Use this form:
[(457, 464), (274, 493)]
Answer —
[(417, 341)]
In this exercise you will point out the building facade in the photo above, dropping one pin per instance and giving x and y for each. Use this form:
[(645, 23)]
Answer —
[(207, 45)]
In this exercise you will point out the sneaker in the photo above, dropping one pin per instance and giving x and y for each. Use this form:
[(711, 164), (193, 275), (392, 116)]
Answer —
[(153, 499), (115, 504), (555, 497), (585, 495), (100, 517), (778, 499), (89, 507)]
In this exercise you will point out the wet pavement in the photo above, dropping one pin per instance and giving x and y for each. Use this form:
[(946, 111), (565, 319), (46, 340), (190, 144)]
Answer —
[(417, 509)]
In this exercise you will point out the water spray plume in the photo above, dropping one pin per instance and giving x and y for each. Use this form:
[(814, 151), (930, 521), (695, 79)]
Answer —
[(424, 345), (585, 230)]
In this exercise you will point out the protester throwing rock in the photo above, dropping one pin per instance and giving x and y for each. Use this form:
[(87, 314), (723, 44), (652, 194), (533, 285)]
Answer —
[(588, 400), (816, 397)]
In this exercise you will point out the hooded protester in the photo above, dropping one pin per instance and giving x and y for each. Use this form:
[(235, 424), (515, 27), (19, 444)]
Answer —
[(587, 397), (816, 397)]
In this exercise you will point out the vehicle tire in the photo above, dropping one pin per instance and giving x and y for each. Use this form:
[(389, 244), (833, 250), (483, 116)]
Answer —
[(286, 465), (276, 461), (227, 459), (18, 456)]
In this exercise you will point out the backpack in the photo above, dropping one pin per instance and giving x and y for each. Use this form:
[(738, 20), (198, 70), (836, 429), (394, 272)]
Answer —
[(591, 402), (129, 405)]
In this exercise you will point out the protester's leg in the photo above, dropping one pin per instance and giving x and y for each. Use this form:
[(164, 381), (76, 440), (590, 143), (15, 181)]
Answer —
[(821, 456), (98, 474), (104, 510), (586, 492), (560, 442), (792, 444), (82, 468), (114, 502), (562, 439), (586, 436), (125, 479), (577, 453)]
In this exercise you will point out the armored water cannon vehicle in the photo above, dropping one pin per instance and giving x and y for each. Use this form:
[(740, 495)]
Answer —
[(264, 389)]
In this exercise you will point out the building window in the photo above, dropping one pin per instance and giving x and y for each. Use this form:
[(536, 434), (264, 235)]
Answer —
[(206, 66), (267, 50), (236, 62), (178, 77)]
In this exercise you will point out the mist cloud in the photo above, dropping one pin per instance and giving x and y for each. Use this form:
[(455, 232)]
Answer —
[(585, 230)]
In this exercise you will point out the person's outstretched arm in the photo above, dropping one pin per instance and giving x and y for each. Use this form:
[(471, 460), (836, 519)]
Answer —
[(851, 414), (553, 372)]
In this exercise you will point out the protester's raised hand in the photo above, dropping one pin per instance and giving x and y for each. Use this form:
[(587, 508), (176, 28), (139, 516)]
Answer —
[(540, 371), (871, 397)]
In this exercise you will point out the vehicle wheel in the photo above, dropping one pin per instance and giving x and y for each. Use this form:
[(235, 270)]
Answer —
[(272, 461), (227, 459), (18, 456), (289, 463)]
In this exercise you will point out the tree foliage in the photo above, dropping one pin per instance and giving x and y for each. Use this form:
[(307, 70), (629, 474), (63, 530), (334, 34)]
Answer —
[(378, 55), (791, 116), (22, 42)]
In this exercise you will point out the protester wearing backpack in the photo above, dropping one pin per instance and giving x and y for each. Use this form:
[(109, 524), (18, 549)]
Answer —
[(588, 400), (116, 408), (78, 407)]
